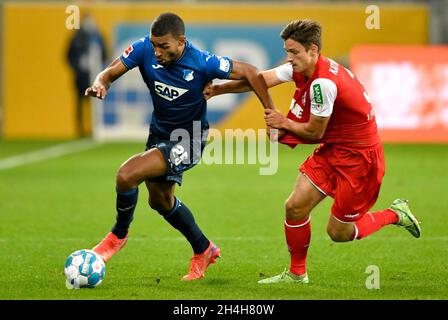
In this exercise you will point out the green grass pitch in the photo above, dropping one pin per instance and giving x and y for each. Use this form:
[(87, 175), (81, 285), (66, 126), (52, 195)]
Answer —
[(51, 208)]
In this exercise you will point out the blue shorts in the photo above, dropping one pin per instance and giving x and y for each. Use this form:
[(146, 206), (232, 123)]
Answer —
[(179, 155)]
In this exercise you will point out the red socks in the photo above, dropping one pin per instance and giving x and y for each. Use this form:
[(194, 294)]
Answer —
[(298, 236), (373, 221)]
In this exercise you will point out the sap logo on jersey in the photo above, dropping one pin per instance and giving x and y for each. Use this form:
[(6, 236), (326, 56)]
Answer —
[(168, 92)]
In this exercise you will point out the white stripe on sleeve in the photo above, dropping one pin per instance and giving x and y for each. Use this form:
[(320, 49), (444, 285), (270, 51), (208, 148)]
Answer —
[(284, 72)]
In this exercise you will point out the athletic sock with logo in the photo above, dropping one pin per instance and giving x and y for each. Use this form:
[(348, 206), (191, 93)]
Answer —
[(298, 237), (126, 203), (181, 218), (373, 221)]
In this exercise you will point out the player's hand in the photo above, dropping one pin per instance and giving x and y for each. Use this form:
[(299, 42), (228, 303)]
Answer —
[(209, 90), (275, 119), (97, 90)]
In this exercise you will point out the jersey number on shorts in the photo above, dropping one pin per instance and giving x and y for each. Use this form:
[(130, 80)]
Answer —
[(178, 154)]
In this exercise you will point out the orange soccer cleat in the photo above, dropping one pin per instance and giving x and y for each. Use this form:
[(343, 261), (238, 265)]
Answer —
[(109, 246), (201, 261)]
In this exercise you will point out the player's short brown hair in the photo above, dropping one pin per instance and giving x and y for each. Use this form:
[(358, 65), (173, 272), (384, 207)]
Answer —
[(305, 32), (168, 23)]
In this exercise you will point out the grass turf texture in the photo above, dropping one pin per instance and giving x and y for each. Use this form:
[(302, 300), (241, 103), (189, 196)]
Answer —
[(52, 208)]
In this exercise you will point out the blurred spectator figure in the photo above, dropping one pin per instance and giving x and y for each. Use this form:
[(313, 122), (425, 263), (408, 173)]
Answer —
[(86, 55)]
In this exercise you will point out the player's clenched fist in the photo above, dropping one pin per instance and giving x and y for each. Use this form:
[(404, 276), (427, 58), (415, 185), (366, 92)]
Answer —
[(209, 90), (97, 90), (274, 119)]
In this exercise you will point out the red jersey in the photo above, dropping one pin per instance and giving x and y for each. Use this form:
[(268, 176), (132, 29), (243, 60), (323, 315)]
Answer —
[(332, 91)]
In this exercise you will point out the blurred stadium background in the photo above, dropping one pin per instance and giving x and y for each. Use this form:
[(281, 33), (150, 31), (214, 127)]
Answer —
[(51, 208), (39, 100)]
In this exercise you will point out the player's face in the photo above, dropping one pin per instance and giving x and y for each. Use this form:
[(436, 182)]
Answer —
[(168, 48), (300, 58)]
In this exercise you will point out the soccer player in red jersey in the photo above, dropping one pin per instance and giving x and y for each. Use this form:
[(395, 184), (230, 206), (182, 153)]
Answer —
[(330, 107)]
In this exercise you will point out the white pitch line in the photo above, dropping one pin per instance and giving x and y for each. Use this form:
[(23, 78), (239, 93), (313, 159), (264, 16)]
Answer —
[(47, 153)]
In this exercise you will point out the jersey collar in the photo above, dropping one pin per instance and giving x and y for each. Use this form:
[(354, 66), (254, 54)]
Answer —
[(187, 46)]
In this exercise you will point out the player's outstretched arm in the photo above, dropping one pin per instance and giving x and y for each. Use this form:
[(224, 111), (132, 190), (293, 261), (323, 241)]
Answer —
[(255, 81), (104, 79), (234, 86), (239, 86)]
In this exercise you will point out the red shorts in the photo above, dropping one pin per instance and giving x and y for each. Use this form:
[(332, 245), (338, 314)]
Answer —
[(350, 175)]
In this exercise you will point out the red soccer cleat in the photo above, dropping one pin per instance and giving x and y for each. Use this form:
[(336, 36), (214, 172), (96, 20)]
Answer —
[(201, 261), (109, 246)]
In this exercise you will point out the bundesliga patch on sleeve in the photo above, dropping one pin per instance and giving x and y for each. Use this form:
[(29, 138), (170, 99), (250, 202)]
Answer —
[(224, 64), (128, 51), (317, 94)]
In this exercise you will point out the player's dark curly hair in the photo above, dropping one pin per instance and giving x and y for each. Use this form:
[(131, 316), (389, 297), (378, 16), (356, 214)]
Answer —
[(168, 23), (306, 32)]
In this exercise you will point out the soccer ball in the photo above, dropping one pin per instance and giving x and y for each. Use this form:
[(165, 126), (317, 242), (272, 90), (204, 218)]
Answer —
[(84, 269)]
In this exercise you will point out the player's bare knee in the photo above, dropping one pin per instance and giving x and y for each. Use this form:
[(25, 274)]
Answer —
[(125, 180), (338, 235), (294, 211), (160, 203), (334, 235), (155, 205)]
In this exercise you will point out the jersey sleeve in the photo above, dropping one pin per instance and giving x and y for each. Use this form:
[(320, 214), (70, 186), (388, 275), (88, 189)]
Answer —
[(323, 93), (133, 55), (284, 72), (218, 67)]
